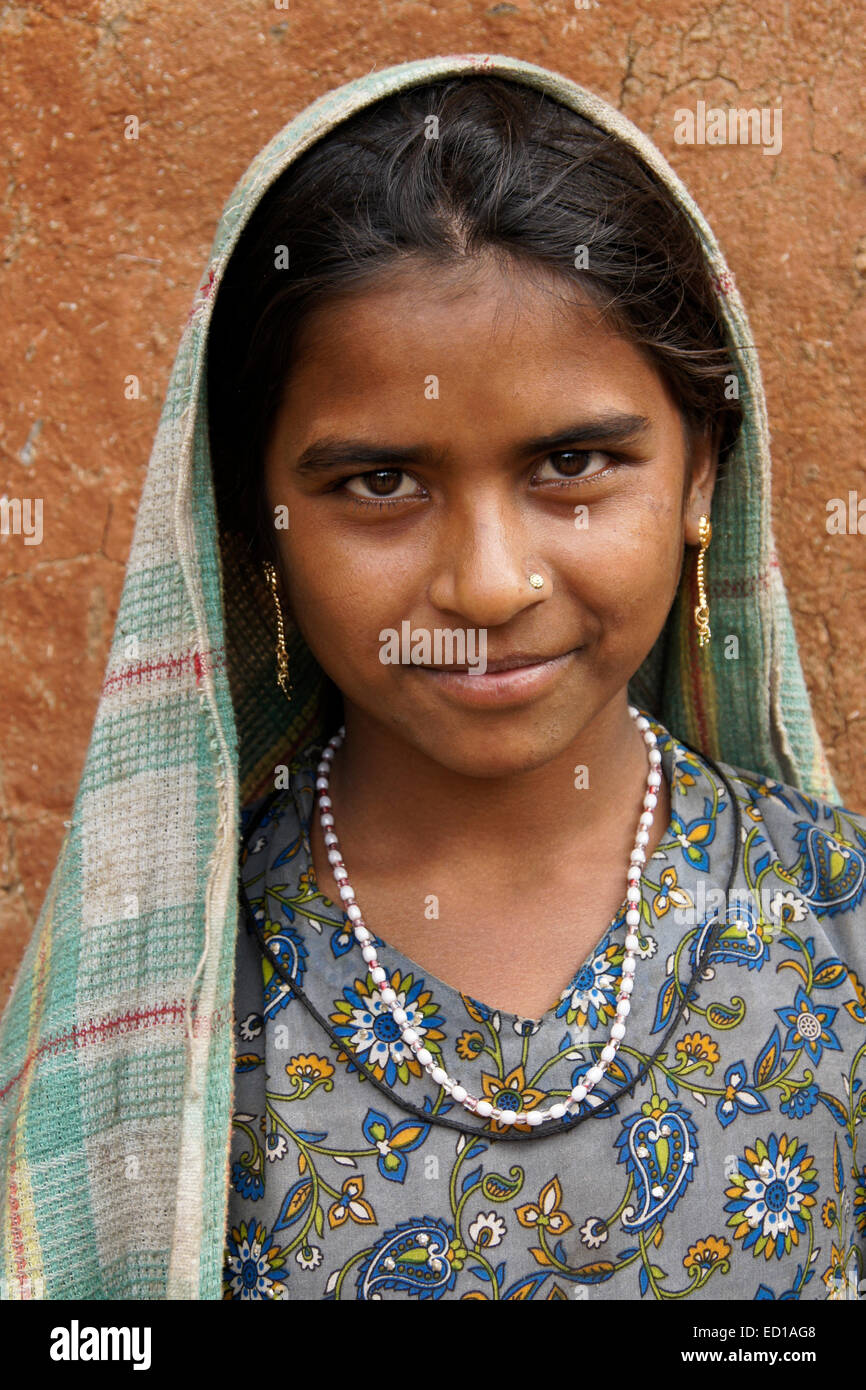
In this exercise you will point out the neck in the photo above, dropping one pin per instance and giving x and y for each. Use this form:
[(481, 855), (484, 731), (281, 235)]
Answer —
[(395, 806)]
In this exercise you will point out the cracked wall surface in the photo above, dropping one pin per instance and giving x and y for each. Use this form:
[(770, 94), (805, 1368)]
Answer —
[(105, 239)]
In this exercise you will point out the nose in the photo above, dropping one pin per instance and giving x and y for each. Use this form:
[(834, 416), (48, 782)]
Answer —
[(483, 566)]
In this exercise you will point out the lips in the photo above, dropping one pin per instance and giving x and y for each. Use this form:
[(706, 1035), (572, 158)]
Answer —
[(504, 686), (514, 662)]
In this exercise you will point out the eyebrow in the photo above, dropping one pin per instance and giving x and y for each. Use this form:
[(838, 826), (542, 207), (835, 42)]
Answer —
[(331, 452)]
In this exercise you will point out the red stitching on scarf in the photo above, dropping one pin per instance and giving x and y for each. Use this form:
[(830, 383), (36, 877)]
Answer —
[(210, 660), (98, 1032), (25, 1283), (202, 293), (210, 1021), (476, 60), (737, 588), (17, 1233), (122, 1023)]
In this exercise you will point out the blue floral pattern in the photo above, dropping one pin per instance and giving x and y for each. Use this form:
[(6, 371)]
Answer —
[(733, 1167)]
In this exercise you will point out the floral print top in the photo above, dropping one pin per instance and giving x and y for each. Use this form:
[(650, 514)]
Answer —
[(734, 1169)]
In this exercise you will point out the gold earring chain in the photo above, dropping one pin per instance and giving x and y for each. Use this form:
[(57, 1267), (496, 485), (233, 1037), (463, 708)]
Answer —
[(282, 654), (702, 610)]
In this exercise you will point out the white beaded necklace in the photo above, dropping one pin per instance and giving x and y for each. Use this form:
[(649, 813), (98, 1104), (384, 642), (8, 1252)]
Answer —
[(389, 997)]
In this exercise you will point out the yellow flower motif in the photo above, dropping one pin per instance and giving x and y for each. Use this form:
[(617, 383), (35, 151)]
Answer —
[(478, 1015), (670, 893), (457, 1253), (309, 1068), (698, 1046), (834, 1276), (546, 1212), (352, 1204), (857, 1007), (654, 1108), (828, 1213), (683, 780), (469, 1044), (712, 1250), (510, 1094)]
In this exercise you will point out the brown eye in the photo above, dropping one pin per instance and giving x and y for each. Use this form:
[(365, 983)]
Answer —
[(570, 462), (383, 481), (386, 483), (575, 463)]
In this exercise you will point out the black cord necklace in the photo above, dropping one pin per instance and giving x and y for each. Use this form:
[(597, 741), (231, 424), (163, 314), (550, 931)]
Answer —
[(510, 1135)]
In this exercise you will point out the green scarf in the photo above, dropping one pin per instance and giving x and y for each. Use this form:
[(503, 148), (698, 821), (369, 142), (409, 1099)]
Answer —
[(116, 1055)]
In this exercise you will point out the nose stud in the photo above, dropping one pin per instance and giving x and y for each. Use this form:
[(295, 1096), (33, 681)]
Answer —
[(536, 580)]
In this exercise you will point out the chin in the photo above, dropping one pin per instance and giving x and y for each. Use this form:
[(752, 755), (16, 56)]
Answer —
[(495, 752)]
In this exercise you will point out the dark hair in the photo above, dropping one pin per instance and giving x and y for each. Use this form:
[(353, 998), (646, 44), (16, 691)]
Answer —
[(509, 172)]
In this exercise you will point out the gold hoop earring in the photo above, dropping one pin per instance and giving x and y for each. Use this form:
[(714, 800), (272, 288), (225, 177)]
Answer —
[(702, 611), (282, 655)]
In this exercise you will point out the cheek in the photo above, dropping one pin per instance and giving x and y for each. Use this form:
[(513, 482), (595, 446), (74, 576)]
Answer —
[(632, 560), (340, 598), (623, 577)]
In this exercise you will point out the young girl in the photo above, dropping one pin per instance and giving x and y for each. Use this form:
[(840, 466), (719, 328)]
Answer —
[(453, 578)]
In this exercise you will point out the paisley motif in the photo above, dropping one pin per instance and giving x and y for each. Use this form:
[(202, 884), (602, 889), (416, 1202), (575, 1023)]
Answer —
[(659, 1148), (834, 876), (741, 941), (286, 946), (415, 1259)]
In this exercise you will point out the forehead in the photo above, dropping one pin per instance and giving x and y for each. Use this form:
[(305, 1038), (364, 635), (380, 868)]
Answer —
[(493, 329)]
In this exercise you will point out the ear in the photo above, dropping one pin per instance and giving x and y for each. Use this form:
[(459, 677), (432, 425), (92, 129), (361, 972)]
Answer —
[(704, 465)]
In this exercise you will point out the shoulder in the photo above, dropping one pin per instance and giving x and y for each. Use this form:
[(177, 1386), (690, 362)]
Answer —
[(790, 817), (807, 858)]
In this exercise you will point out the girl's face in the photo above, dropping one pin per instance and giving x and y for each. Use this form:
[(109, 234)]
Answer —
[(442, 438)]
